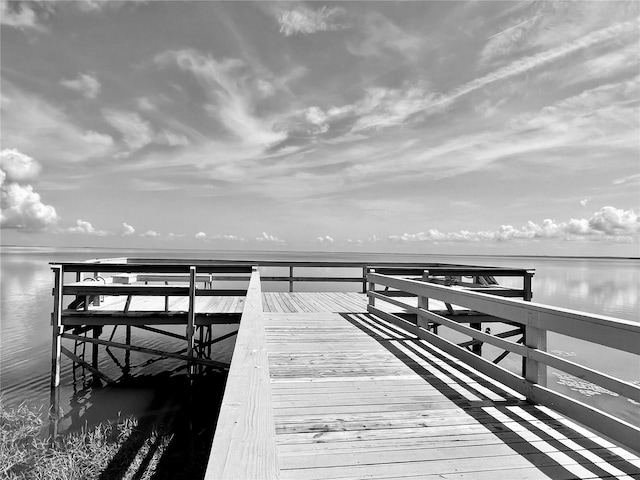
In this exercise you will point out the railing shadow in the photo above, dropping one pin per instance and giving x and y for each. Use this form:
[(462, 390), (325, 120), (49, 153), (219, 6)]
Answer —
[(548, 442)]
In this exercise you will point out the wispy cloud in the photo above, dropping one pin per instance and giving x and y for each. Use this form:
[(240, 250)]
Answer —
[(20, 15), (136, 132), (304, 20), (378, 35), (40, 129), (231, 92), (86, 84)]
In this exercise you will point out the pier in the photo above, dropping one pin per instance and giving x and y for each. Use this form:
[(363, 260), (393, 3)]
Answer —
[(396, 378)]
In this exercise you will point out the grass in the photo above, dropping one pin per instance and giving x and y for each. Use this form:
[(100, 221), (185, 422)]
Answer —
[(26, 453)]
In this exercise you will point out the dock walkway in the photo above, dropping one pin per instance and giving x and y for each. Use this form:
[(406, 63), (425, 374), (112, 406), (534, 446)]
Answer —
[(355, 396)]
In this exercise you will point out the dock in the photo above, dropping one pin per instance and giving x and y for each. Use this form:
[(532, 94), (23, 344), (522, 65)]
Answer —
[(369, 383)]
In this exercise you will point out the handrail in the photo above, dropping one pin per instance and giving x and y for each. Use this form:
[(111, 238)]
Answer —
[(244, 444), (537, 319)]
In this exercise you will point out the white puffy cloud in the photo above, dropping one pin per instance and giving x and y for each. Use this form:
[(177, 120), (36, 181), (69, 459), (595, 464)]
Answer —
[(17, 166), (265, 237), (127, 229), (85, 228), (609, 223), (584, 202), (201, 235), (150, 234), (615, 221), (23, 208), (325, 239), (86, 84), (305, 20)]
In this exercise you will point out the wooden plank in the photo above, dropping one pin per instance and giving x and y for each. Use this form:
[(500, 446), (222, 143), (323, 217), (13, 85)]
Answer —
[(244, 444)]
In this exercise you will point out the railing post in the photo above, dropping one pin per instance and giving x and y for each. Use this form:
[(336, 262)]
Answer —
[(56, 350), (528, 293), (423, 302), (364, 279), (534, 338), (191, 319), (291, 279), (372, 288)]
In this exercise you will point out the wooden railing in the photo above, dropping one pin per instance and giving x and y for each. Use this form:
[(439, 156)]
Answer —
[(244, 445), (536, 320)]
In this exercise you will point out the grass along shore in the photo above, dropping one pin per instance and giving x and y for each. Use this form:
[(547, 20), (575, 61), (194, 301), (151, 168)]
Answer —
[(105, 451)]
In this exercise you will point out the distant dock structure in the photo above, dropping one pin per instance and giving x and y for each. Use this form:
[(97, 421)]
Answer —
[(399, 376)]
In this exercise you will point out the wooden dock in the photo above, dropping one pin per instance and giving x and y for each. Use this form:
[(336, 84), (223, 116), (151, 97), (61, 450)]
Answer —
[(337, 385)]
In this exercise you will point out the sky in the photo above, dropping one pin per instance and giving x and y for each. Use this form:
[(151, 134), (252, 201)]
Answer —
[(420, 127)]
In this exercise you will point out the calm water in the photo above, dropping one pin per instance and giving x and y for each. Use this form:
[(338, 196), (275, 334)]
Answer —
[(603, 286)]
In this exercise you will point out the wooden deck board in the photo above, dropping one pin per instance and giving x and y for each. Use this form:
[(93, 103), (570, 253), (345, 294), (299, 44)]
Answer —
[(356, 397)]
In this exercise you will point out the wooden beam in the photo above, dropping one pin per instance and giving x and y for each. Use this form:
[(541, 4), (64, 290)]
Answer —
[(56, 350), (244, 444), (86, 365), (191, 318), (150, 351)]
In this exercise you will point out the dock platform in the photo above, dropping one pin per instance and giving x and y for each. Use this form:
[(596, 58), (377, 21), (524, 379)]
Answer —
[(349, 385)]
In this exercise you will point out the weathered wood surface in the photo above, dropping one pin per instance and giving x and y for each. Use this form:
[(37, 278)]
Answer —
[(354, 396), (244, 442)]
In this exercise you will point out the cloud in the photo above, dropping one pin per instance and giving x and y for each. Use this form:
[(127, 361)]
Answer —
[(380, 35), (609, 223), (85, 228), (19, 15), (127, 230), (136, 132), (231, 89), (304, 20), (615, 221), (171, 139), (635, 178), (44, 131), (506, 40), (325, 239), (268, 238), (201, 235), (584, 202), (150, 234), (86, 84), (17, 166), (22, 208)]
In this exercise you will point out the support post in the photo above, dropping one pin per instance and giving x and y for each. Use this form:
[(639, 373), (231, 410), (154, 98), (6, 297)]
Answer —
[(94, 354), (372, 288), (127, 353), (534, 338), (291, 279), (191, 319), (56, 345)]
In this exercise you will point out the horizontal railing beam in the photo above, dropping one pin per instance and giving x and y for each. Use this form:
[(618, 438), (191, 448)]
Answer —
[(619, 334)]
